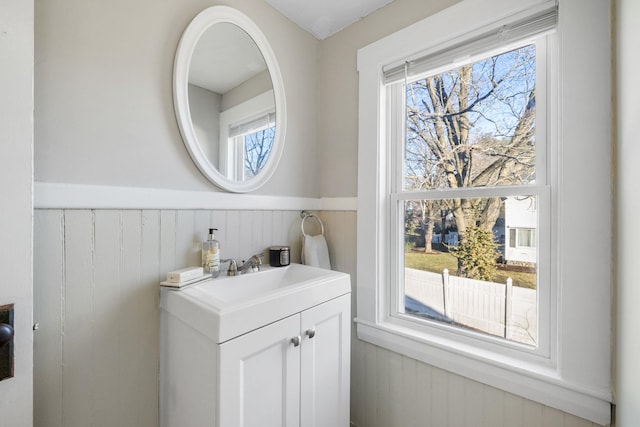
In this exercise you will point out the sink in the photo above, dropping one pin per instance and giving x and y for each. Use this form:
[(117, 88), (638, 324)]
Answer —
[(226, 307), (253, 285)]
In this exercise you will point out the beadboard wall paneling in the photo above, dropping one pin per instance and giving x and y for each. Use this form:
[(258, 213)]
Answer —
[(393, 390), (96, 300), (48, 302), (96, 285)]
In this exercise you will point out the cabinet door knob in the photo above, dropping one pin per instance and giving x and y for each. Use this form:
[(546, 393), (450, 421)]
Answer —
[(296, 340), (311, 332)]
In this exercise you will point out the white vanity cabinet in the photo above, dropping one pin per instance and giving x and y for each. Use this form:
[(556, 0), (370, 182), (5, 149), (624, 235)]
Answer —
[(271, 348), (294, 372)]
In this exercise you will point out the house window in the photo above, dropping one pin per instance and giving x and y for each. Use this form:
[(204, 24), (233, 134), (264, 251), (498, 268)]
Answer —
[(522, 238), (480, 163), (526, 238), (257, 147), (250, 143), (248, 130), (252, 151), (471, 127)]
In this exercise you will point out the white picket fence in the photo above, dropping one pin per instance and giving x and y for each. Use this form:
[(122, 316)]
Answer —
[(495, 308)]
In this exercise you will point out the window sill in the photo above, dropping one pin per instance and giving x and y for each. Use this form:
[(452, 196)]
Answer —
[(534, 381)]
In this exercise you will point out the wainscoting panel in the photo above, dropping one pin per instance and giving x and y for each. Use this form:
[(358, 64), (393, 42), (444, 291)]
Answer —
[(96, 301), (391, 390), (96, 287), (48, 303)]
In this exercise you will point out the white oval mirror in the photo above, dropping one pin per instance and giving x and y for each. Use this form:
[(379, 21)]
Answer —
[(229, 99)]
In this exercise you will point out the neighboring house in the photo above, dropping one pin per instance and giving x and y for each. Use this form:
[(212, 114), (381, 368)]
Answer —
[(514, 231), (520, 223)]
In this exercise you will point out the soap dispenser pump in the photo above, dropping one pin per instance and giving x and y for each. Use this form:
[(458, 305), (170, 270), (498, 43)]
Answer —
[(211, 254)]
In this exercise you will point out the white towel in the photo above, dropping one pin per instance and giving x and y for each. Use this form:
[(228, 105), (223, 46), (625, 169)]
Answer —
[(315, 251)]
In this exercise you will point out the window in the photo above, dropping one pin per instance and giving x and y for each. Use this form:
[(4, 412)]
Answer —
[(522, 238), (251, 144), (257, 147), (471, 127), (249, 129), (467, 144)]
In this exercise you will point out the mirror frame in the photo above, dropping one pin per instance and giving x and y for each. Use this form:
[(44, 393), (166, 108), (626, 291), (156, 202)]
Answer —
[(201, 23)]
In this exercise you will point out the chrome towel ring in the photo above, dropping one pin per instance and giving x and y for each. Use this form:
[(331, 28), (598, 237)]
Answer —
[(306, 215)]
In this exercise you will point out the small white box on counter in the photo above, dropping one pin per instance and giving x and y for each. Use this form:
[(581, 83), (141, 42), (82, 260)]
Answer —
[(184, 274)]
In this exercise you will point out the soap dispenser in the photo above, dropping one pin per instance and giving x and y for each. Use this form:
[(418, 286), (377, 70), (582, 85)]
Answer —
[(211, 254)]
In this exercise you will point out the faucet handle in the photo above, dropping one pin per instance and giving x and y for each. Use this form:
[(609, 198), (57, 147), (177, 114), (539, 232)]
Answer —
[(233, 266), (256, 261)]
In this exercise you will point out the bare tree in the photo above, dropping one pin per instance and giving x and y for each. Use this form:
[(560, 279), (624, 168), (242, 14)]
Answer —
[(473, 126), (422, 173), (257, 148)]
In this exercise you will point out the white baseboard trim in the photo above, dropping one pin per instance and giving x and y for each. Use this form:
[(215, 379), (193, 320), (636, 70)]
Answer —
[(76, 196)]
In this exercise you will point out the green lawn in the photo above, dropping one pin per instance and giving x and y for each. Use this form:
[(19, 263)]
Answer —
[(436, 262)]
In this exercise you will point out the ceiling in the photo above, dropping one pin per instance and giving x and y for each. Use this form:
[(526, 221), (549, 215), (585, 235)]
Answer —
[(224, 57), (322, 18)]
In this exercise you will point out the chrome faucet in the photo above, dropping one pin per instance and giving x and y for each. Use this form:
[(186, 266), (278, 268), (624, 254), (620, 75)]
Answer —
[(233, 266), (254, 263)]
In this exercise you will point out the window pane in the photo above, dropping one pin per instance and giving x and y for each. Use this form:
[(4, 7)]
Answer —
[(257, 147), (513, 237), (473, 126), (526, 238), (461, 267)]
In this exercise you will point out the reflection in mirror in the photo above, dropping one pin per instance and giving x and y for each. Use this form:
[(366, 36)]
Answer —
[(231, 101)]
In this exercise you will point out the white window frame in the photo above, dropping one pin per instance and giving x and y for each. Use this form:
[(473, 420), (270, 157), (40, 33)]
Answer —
[(261, 105), (572, 372), (517, 244), (238, 150), (394, 99)]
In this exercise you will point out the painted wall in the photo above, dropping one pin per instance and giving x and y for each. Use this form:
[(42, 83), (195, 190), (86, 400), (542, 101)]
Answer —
[(338, 89), (16, 190), (247, 90), (628, 205), (205, 109), (103, 94)]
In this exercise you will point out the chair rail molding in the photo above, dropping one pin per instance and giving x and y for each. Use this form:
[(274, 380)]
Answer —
[(77, 196)]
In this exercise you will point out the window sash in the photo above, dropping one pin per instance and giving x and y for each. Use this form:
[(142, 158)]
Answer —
[(390, 302), (238, 150), (251, 126), (396, 125)]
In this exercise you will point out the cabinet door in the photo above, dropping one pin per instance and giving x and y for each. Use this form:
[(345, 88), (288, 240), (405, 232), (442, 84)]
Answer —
[(260, 377), (325, 364)]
